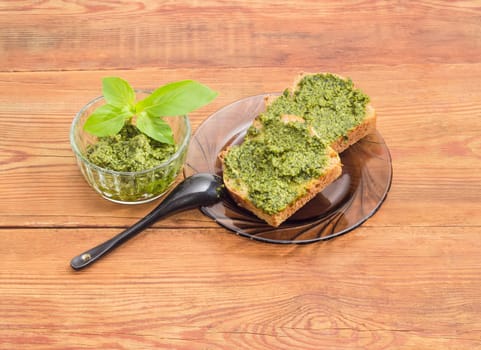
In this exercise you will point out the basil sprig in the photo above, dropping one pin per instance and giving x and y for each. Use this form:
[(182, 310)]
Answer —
[(174, 99)]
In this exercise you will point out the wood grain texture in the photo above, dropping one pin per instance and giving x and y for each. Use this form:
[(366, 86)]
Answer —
[(66, 35), (346, 293), (408, 278), (432, 150)]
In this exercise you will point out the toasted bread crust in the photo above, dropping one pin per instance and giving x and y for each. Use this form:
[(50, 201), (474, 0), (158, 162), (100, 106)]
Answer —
[(315, 186)]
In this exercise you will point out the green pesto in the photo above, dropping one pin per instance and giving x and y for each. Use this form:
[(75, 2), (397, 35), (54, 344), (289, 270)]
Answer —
[(132, 151), (276, 163), (129, 151), (284, 104), (277, 159), (331, 104)]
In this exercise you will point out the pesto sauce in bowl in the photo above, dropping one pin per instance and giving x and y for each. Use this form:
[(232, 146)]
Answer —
[(129, 151), (129, 168), (280, 156)]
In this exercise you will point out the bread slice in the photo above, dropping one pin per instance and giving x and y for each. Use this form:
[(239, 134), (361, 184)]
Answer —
[(240, 193), (332, 170), (366, 127)]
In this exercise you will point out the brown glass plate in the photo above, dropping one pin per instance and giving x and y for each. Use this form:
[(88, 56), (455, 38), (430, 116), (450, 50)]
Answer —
[(344, 205)]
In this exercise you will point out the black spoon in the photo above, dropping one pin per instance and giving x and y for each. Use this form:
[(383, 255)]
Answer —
[(195, 191)]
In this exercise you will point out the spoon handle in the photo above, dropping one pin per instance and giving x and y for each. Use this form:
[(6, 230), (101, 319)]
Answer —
[(197, 190), (93, 254)]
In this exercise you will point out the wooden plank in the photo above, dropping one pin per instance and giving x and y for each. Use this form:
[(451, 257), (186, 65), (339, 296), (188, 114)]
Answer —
[(419, 117), (59, 35), (416, 287)]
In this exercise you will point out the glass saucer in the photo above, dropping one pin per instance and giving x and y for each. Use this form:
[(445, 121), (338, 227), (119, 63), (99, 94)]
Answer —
[(344, 205)]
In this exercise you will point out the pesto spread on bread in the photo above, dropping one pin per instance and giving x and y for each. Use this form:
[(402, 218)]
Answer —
[(287, 149), (291, 151), (276, 162), (330, 104)]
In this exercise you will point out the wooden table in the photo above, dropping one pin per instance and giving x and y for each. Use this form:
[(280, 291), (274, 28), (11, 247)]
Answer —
[(408, 278)]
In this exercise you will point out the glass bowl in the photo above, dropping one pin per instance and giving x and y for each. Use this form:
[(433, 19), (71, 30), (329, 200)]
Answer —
[(129, 187)]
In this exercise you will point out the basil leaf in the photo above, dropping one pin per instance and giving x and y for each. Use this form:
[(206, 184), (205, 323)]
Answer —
[(155, 127), (177, 98), (106, 120), (118, 92)]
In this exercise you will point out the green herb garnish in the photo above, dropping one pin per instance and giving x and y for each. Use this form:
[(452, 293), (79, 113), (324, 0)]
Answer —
[(174, 99)]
